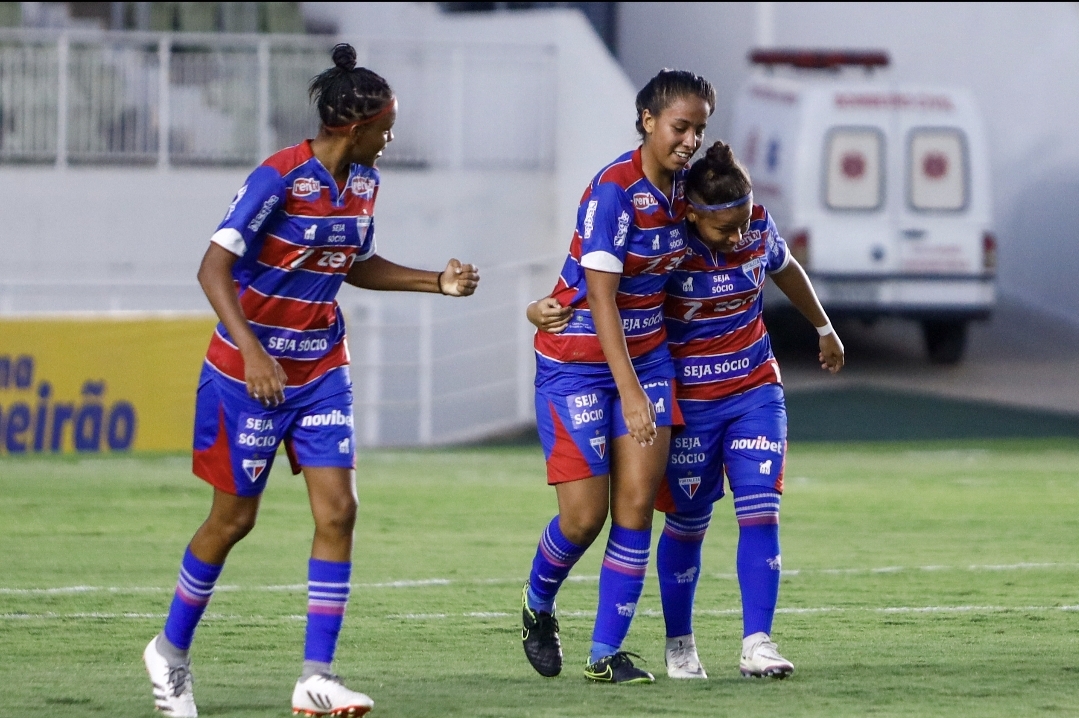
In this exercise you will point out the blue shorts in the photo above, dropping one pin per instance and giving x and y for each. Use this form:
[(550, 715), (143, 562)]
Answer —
[(579, 416), (744, 437), (236, 437)]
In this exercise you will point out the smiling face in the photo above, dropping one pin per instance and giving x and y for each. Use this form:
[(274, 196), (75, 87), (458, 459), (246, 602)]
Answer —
[(368, 141), (721, 230), (675, 135)]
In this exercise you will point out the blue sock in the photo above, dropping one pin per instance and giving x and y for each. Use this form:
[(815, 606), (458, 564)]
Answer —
[(193, 591), (327, 596), (621, 580), (678, 560), (555, 557), (758, 557)]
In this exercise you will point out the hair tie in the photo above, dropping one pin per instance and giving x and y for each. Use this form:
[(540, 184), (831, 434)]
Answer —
[(726, 205), (366, 121)]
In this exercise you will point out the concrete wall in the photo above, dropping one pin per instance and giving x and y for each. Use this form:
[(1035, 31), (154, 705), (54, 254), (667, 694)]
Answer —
[(89, 239), (1020, 60)]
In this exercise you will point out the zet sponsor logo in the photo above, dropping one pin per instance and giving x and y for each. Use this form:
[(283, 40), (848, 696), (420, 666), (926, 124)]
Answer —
[(33, 420)]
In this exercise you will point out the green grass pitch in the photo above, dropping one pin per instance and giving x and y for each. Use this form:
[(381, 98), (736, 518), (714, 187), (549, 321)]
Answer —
[(919, 579)]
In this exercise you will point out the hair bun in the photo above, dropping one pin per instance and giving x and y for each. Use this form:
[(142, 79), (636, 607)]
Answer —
[(344, 56), (720, 154)]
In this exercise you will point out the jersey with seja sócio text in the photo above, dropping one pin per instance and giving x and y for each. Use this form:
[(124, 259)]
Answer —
[(624, 226), (296, 235), (713, 311)]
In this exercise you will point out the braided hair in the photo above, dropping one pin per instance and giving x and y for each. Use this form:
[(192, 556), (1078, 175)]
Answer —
[(718, 177), (667, 87), (345, 93)]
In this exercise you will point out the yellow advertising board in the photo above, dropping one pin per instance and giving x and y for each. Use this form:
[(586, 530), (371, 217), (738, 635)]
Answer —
[(100, 384)]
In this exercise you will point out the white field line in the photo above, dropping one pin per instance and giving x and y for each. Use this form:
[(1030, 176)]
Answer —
[(427, 582), (484, 615)]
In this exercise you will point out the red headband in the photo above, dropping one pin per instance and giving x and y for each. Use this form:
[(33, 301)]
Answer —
[(366, 121)]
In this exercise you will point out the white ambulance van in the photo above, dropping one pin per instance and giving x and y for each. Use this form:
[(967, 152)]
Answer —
[(881, 190)]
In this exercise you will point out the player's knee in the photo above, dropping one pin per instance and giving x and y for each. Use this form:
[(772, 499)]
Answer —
[(231, 529), (340, 520), (634, 512), (582, 527)]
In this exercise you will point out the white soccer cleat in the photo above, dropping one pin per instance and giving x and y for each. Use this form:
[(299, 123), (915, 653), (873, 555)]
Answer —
[(681, 658), (760, 658), (326, 695), (174, 694)]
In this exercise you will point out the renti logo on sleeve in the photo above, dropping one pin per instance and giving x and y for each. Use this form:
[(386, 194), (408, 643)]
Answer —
[(305, 187)]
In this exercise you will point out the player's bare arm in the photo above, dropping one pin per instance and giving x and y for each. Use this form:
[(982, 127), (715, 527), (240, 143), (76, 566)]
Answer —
[(456, 280), (264, 376), (548, 315), (793, 282), (637, 410)]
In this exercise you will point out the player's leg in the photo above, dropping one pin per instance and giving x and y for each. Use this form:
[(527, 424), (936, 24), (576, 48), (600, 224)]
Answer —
[(636, 473), (321, 441), (754, 453), (678, 563), (574, 428), (236, 459), (693, 483)]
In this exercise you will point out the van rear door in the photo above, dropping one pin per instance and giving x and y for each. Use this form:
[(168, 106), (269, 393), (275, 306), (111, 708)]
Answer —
[(853, 235), (937, 233)]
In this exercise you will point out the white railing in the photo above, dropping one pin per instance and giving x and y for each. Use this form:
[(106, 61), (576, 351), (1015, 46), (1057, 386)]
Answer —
[(110, 97), (426, 369)]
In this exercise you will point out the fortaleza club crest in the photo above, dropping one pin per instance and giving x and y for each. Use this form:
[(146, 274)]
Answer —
[(753, 269), (599, 445), (254, 468), (690, 484)]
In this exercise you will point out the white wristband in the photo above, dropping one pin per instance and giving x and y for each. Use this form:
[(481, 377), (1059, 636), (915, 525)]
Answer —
[(825, 330)]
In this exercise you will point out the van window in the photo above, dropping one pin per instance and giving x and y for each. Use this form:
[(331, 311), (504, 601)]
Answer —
[(854, 168), (938, 169)]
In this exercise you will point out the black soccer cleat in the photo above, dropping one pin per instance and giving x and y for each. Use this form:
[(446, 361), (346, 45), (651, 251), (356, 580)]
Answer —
[(540, 639), (617, 669)]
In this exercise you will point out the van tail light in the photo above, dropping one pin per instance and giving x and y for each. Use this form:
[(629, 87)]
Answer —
[(799, 247), (989, 253)]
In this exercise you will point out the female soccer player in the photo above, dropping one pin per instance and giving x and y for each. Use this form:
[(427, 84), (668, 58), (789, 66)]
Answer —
[(277, 370), (729, 390), (604, 400)]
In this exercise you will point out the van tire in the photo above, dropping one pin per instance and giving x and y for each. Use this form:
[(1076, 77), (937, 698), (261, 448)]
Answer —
[(945, 339)]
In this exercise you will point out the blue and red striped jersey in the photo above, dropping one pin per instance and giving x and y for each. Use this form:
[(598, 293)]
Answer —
[(713, 314), (624, 226), (296, 234)]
